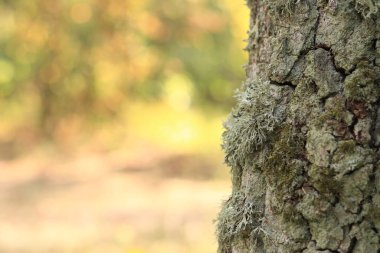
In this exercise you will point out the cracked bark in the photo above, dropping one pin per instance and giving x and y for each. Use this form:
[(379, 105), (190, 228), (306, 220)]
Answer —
[(303, 141)]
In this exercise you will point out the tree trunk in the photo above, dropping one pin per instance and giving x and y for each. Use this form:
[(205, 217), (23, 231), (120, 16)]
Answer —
[(303, 141)]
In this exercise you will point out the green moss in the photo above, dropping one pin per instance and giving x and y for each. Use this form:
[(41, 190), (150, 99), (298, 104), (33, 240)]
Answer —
[(290, 213), (361, 85), (282, 167), (322, 179), (347, 147)]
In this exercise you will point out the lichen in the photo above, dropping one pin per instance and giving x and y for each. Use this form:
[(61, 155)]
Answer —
[(362, 131), (238, 214), (320, 147), (349, 37), (355, 188), (309, 202), (367, 8), (321, 70), (377, 128), (349, 157), (362, 84), (322, 179), (260, 110), (335, 117), (290, 40), (302, 110), (367, 238), (374, 214), (327, 232)]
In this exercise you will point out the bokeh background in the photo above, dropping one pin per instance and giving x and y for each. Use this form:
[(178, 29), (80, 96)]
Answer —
[(111, 115)]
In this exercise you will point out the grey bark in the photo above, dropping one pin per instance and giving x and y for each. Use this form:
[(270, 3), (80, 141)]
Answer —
[(303, 141)]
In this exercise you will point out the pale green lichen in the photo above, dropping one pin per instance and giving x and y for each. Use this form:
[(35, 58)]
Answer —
[(335, 109), (374, 214), (345, 217), (321, 70), (349, 37), (309, 202), (362, 130), (291, 40), (260, 110), (349, 157), (367, 238), (238, 214), (355, 188), (335, 118), (327, 232), (367, 8), (362, 84), (302, 110), (312, 249), (320, 147)]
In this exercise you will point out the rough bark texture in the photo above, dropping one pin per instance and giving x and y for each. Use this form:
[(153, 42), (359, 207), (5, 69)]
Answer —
[(303, 141)]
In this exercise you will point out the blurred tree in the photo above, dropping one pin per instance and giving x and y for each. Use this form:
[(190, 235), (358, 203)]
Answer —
[(303, 142), (88, 59)]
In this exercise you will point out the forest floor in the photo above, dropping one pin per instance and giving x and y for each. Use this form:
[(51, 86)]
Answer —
[(114, 202)]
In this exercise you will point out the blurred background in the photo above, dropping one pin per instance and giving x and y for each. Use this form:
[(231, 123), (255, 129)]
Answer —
[(111, 117)]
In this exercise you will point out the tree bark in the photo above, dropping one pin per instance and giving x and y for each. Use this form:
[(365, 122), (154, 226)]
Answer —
[(303, 141)]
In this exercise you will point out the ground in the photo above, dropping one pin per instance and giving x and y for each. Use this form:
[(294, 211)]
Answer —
[(114, 201)]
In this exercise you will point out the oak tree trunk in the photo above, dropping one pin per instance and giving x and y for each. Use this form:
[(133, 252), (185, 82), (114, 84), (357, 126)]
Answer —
[(303, 141)]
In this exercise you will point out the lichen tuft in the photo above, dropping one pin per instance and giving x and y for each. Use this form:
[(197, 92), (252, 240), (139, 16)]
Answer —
[(238, 214), (261, 108)]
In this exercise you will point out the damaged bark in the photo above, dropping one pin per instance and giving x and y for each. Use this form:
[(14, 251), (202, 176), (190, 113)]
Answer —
[(303, 141)]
